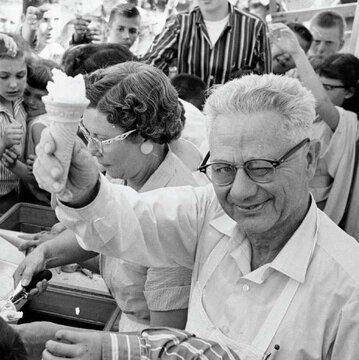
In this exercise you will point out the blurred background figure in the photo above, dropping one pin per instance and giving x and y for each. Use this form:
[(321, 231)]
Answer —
[(328, 29), (283, 62)]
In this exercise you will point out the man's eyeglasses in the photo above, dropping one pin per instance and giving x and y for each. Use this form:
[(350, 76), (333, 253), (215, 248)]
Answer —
[(330, 87), (259, 170), (98, 144)]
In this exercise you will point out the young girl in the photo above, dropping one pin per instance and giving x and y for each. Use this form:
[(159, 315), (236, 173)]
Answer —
[(13, 73), (334, 87)]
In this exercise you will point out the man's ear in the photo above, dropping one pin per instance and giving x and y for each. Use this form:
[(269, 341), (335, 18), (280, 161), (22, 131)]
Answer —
[(312, 157)]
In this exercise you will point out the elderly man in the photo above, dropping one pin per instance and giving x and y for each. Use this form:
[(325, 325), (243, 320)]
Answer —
[(273, 277)]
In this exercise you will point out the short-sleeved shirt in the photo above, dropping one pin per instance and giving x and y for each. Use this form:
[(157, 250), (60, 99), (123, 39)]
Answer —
[(8, 180)]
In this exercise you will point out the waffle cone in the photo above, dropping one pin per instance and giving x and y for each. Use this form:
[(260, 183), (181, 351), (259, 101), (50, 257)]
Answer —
[(65, 119)]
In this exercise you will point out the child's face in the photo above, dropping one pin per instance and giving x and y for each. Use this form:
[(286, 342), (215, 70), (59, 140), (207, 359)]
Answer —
[(12, 78), (124, 30), (33, 101)]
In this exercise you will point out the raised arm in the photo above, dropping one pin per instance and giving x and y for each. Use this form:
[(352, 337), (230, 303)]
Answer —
[(286, 40)]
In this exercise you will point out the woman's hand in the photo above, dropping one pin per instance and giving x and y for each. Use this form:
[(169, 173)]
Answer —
[(74, 345), (82, 177)]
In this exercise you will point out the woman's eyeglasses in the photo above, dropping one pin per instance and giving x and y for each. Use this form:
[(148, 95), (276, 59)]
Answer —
[(98, 144), (259, 170), (330, 87)]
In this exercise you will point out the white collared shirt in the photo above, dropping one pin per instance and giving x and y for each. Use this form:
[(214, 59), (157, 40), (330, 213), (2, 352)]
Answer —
[(181, 226)]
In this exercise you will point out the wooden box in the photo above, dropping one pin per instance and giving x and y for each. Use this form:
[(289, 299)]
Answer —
[(66, 291)]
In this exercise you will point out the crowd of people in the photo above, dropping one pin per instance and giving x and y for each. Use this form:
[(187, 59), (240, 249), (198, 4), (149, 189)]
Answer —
[(210, 183)]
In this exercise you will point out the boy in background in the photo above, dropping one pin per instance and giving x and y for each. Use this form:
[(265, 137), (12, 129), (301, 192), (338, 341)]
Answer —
[(327, 28), (123, 27)]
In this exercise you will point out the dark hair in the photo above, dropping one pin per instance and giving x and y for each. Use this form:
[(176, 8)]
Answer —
[(84, 59), (190, 87), (39, 73), (126, 10), (302, 31), (20, 48), (138, 96), (133, 2), (27, 3), (329, 19), (343, 67), (11, 345)]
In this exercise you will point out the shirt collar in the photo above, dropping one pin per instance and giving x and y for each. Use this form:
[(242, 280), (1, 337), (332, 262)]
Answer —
[(17, 104), (293, 260), (224, 224), (199, 17)]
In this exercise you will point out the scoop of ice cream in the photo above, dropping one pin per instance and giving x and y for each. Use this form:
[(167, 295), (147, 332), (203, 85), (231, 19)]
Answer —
[(66, 89), (8, 311)]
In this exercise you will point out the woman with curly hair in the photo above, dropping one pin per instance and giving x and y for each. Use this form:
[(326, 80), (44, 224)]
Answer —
[(133, 119)]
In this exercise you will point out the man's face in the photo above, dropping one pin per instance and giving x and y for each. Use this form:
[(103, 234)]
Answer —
[(260, 208), (326, 41), (282, 62), (212, 5), (124, 30), (49, 28), (12, 78)]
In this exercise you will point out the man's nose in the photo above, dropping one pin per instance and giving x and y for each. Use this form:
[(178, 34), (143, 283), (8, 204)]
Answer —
[(243, 186), (322, 48), (126, 33)]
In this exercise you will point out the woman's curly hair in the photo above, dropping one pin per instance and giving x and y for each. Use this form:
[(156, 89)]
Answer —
[(138, 96)]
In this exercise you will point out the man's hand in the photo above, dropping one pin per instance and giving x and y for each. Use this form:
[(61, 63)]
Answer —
[(9, 43), (32, 18), (81, 28), (9, 158), (284, 39), (12, 135), (83, 173), (74, 345), (35, 335)]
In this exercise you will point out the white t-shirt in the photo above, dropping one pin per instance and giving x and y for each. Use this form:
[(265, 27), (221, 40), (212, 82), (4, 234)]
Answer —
[(215, 28)]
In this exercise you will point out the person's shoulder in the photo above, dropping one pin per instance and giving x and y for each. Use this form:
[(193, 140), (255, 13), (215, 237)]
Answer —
[(247, 15), (339, 247)]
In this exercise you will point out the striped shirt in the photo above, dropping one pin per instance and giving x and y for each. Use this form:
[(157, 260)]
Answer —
[(8, 180), (163, 343), (243, 45)]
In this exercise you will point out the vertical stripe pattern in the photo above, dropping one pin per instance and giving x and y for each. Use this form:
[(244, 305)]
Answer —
[(243, 44), (8, 180)]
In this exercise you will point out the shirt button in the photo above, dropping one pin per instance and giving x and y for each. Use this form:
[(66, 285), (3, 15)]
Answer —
[(211, 77), (245, 287), (225, 329)]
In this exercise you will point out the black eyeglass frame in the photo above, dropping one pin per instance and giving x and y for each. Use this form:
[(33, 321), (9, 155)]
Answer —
[(274, 163), (332, 87)]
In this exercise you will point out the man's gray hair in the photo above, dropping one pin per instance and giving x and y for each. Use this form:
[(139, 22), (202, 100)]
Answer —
[(254, 93)]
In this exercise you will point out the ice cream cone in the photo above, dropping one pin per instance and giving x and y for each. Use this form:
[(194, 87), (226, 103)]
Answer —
[(65, 119)]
